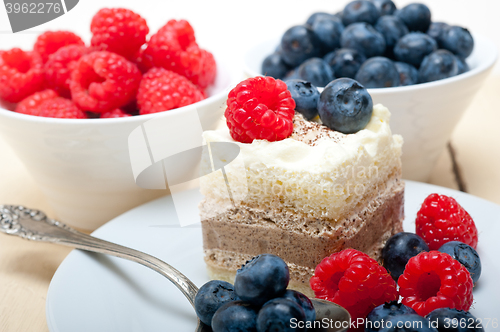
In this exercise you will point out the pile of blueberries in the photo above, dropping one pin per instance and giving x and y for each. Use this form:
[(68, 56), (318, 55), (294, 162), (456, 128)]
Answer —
[(395, 254), (373, 42), (258, 301)]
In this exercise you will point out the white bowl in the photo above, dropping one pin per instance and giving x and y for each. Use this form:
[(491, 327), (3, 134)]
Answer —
[(83, 166), (424, 114)]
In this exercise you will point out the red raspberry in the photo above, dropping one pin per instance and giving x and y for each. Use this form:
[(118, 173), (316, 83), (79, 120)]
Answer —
[(50, 41), (441, 219), (163, 90), (116, 113), (118, 30), (30, 105), (21, 74), (434, 280), (103, 81), (174, 48), (60, 65), (353, 280), (260, 108)]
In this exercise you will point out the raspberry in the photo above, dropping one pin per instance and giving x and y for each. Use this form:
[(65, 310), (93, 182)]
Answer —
[(50, 41), (260, 108), (21, 74), (59, 66), (353, 280), (434, 280), (102, 81), (163, 90), (116, 113), (174, 48), (441, 219), (30, 105), (118, 30)]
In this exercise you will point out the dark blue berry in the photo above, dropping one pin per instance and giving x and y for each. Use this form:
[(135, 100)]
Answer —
[(303, 301), (416, 16), (457, 40), (345, 62), (408, 75), (466, 255), (374, 320), (399, 249), (437, 66), (407, 323), (363, 38), (263, 278), (235, 316), (378, 72), (392, 28), (306, 97), (414, 47), (316, 16), (360, 11), (298, 44), (281, 315), (345, 106), (436, 31), (315, 70), (453, 320), (328, 31), (463, 67), (385, 7), (211, 297), (273, 65)]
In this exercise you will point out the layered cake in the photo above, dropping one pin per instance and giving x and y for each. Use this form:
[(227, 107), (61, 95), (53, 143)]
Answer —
[(304, 197)]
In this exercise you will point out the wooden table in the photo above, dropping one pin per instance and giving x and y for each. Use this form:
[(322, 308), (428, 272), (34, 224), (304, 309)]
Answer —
[(26, 268)]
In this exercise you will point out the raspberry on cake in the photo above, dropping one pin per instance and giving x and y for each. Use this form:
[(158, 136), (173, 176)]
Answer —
[(304, 197)]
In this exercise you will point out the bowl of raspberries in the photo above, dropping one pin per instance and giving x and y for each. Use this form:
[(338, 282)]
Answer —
[(426, 72), (68, 106)]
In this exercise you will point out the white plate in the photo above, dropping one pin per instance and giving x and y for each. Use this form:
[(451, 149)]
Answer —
[(93, 292)]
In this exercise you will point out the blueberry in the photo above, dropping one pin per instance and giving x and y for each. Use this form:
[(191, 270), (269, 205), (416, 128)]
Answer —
[(436, 30), (378, 72), (315, 70), (298, 44), (437, 66), (463, 67), (273, 65), (392, 28), (360, 11), (363, 38), (414, 47), (416, 16), (399, 249), (375, 318), (328, 31), (453, 320), (262, 278), (408, 75), (385, 7), (281, 315), (235, 316), (211, 297), (345, 62), (303, 301), (457, 40), (306, 97), (407, 323), (345, 106), (316, 16), (466, 255)]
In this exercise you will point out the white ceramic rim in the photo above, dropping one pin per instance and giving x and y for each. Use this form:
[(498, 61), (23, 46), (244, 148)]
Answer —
[(484, 44), (221, 67)]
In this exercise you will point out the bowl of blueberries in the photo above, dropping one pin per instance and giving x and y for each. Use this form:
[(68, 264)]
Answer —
[(425, 72)]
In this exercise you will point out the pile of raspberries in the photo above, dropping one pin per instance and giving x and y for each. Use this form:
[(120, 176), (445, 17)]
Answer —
[(119, 74)]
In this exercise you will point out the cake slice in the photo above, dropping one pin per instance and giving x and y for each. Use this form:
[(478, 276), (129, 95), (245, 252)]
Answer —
[(303, 198)]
